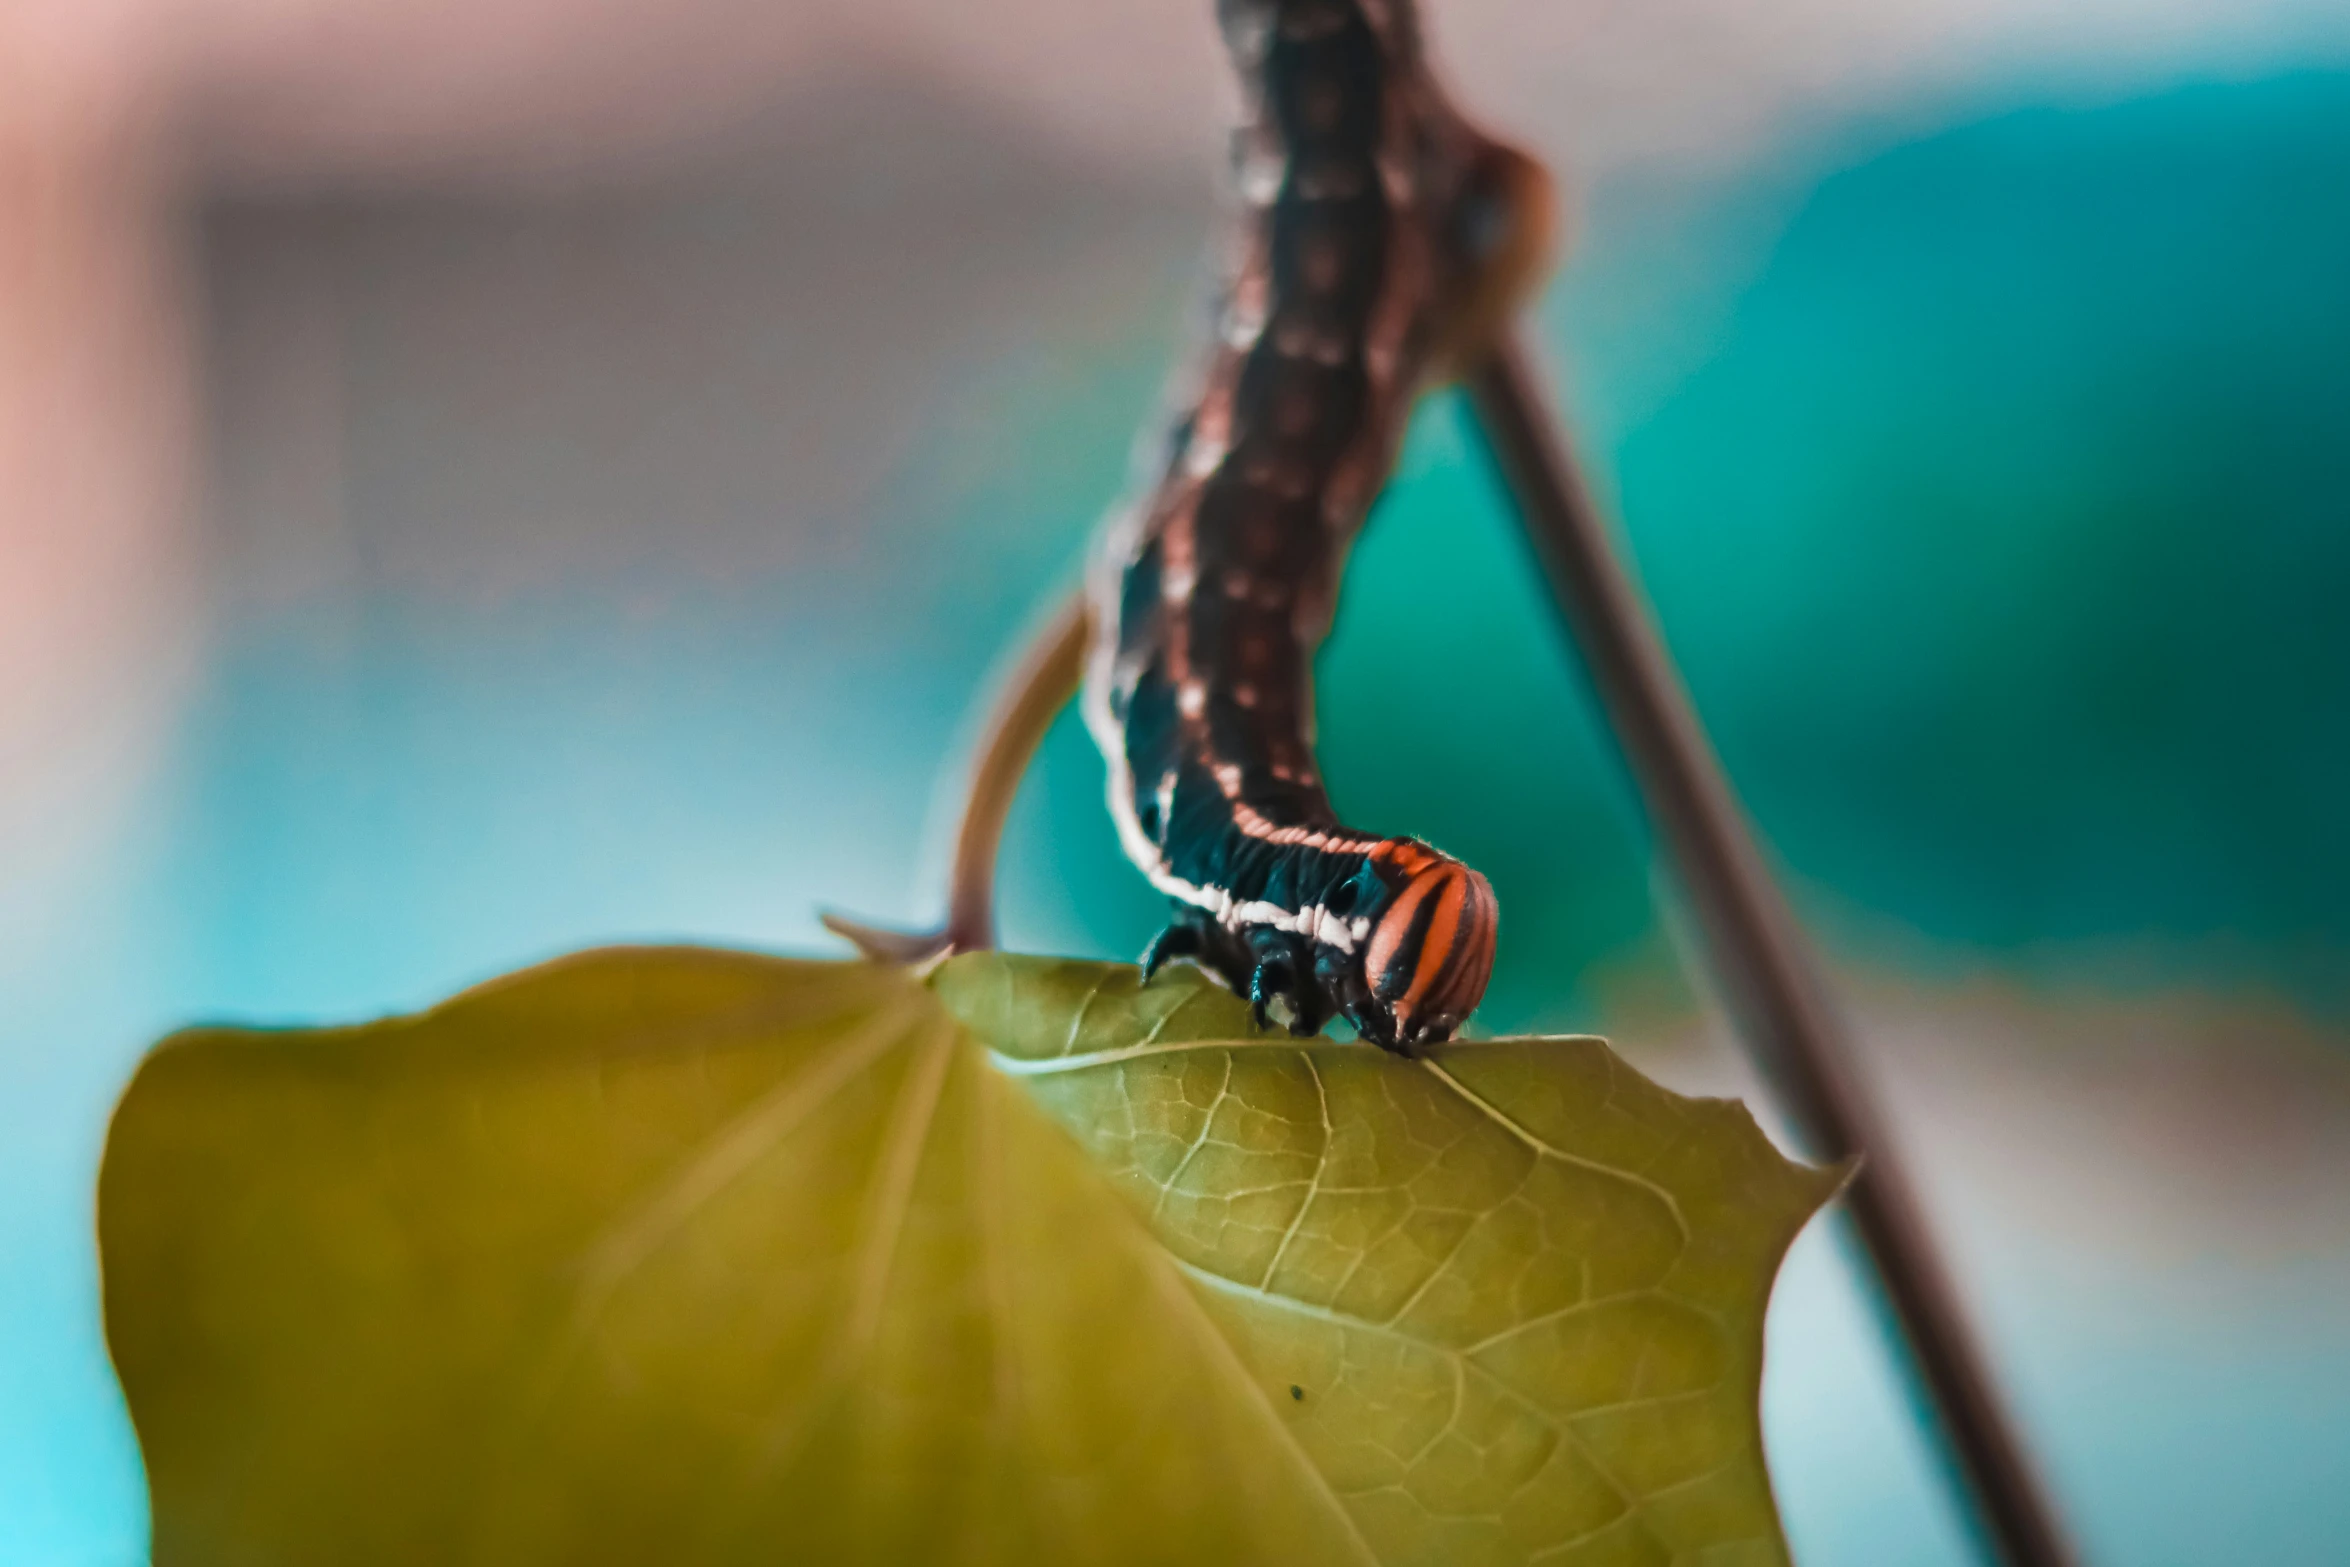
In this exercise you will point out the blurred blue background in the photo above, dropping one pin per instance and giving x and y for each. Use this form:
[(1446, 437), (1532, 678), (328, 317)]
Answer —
[(583, 559)]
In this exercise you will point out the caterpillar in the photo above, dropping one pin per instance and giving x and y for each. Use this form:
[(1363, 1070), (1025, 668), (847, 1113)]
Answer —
[(1375, 240)]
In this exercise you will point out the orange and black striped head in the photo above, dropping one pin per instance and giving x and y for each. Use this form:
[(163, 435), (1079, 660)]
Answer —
[(1430, 951)]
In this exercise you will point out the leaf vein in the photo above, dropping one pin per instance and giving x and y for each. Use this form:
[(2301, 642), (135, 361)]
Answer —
[(1562, 1429), (1663, 1195), (1207, 1127), (1169, 1280), (1321, 1165)]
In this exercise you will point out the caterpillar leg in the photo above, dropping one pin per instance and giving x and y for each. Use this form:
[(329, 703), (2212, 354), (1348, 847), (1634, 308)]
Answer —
[(1191, 936), (1180, 939), (1284, 974)]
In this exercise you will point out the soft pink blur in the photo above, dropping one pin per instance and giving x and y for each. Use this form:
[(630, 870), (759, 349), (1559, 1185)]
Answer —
[(94, 605)]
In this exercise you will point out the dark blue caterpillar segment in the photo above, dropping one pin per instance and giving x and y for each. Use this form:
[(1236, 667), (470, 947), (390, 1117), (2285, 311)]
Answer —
[(1269, 548), (1213, 600)]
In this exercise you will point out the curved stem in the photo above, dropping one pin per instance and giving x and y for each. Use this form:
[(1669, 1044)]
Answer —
[(1043, 684), (1047, 678)]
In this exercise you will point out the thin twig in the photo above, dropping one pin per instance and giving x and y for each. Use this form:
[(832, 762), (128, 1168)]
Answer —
[(1033, 698), (1771, 982)]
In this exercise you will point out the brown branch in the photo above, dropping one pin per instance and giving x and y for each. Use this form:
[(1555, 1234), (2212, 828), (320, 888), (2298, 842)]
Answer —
[(1047, 677), (1768, 976)]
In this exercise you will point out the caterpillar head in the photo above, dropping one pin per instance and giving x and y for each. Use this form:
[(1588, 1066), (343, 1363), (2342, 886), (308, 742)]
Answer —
[(1429, 953)]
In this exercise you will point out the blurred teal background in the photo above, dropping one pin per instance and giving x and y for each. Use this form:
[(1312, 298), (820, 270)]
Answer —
[(624, 563)]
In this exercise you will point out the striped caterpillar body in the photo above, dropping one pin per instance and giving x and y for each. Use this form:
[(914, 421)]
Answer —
[(1377, 238)]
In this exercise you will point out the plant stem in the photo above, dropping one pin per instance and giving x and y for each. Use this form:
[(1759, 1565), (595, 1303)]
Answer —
[(1047, 677), (1769, 978)]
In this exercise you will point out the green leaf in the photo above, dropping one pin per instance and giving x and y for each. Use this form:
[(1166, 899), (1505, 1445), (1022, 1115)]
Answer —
[(691, 1257)]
